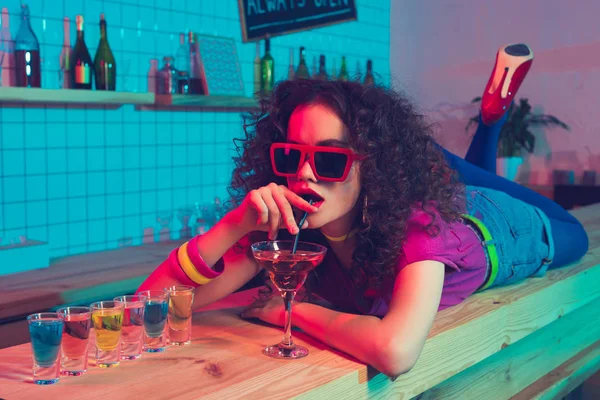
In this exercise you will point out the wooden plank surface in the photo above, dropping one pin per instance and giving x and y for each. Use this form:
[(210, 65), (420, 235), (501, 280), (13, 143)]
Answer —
[(71, 96), (516, 369), (225, 360), (567, 376)]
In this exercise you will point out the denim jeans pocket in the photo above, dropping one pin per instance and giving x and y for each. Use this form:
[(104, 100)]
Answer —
[(516, 214), (514, 221)]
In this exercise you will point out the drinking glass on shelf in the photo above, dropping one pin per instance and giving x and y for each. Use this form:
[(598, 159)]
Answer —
[(126, 78), (45, 330), (184, 214), (75, 339), (288, 271), (107, 317), (3, 50), (164, 220), (6, 44)]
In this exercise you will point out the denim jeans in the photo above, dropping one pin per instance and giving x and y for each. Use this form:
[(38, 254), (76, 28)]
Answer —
[(521, 233)]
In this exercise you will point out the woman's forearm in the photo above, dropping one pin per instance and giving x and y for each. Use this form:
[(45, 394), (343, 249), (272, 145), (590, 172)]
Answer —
[(215, 244), (219, 239), (357, 335)]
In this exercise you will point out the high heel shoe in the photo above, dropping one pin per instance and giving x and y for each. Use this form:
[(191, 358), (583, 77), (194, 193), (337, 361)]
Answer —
[(512, 64)]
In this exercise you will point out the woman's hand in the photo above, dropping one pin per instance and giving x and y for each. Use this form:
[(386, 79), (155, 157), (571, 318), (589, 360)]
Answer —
[(269, 209), (269, 307)]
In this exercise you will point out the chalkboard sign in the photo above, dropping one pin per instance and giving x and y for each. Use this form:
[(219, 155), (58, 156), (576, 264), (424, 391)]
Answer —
[(277, 17)]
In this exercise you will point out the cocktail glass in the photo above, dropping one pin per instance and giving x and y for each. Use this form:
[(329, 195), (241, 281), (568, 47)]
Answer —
[(288, 272)]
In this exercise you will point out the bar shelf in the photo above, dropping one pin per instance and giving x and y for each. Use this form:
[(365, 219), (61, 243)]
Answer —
[(192, 102), (39, 97)]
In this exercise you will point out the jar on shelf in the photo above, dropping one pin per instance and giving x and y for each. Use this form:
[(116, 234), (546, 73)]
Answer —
[(166, 78)]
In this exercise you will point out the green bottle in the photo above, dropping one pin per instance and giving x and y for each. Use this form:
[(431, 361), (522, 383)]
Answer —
[(105, 67), (267, 70), (322, 75), (302, 70), (369, 78), (343, 71)]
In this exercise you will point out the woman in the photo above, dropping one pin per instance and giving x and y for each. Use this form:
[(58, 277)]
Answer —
[(405, 238)]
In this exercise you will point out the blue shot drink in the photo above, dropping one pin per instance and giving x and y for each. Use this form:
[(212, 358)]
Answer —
[(46, 330), (156, 312)]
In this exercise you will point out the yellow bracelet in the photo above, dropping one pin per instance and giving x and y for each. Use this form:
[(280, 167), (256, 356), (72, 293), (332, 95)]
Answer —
[(188, 267)]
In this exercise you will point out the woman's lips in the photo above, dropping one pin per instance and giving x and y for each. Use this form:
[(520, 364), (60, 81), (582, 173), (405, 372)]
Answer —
[(317, 200)]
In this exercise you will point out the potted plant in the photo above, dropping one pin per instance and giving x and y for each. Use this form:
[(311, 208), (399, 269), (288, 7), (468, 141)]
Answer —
[(515, 136)]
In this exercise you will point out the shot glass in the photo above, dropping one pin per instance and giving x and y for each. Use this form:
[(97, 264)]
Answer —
[(45, 330), (132, 336), (107, 318), (75, 339), (155, 320), (180, 314)]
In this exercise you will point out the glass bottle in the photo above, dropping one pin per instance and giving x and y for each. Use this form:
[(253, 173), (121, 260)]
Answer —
[(105, 66), (81, 60), (64, 78), (182, 56), (167, 77), (152, 75), (291, 72), (333, 71), (27, 54), (267, 70), (196, 81), (322, 75), (369, 78), (302, 70), (7, 70), (257, 75), (183, 82), (343, 70), (358, 76)]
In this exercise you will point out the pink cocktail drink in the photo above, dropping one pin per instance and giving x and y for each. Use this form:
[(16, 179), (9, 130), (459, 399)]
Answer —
[(288, 273)]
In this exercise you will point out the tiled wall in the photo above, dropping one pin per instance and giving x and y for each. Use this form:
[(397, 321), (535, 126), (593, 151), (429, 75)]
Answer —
[(82, 179)]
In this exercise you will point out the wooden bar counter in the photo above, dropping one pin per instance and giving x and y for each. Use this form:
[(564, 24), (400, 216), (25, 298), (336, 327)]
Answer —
[(537, 339)]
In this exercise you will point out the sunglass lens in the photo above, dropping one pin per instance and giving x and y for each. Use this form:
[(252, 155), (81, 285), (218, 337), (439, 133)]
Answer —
[(330, 165), (287, 160)]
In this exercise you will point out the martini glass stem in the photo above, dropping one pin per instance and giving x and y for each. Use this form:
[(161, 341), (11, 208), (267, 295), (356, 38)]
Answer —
[(288, 299)]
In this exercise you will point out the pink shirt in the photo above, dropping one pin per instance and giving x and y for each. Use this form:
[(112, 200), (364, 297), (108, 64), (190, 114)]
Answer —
[(456, 246)]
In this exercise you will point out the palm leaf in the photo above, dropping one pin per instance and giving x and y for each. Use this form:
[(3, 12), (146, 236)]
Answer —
[(474, 120), (548, 120)]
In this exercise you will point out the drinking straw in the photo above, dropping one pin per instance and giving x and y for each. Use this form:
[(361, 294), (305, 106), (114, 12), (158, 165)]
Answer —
[(300, 228)]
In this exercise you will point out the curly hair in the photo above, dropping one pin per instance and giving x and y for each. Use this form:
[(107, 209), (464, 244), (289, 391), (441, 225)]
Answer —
[(404, 166)]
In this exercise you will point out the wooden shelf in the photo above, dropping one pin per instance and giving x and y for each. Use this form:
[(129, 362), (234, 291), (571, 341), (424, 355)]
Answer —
[(36, 97), (185, 102), (24, 97)]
